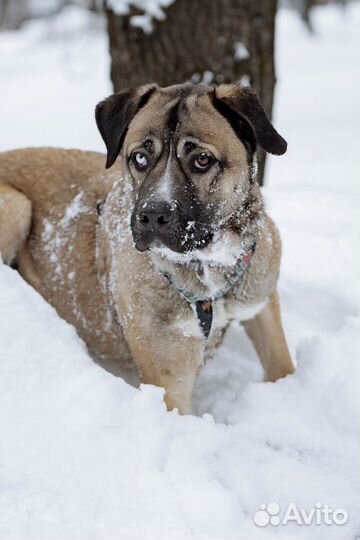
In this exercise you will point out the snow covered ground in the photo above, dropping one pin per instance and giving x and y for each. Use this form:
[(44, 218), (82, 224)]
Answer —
[(83, 454)]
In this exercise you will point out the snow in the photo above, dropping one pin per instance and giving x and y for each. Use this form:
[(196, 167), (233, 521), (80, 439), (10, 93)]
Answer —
[(152, 9), (241, 52), (52, 76), (74, 210), (84, 454)]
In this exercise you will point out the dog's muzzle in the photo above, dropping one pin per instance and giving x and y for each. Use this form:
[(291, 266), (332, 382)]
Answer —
[(155, 221)]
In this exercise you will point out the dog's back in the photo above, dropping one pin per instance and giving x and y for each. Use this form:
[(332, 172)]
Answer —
[(37, 175)]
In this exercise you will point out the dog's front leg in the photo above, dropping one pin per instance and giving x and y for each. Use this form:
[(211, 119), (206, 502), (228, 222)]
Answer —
[(267, 335), (168, 357)]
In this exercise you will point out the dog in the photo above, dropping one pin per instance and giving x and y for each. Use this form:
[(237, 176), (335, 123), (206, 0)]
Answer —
[(151, 258)]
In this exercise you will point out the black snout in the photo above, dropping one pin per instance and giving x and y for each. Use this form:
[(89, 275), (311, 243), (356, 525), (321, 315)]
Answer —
[(158, 223), (156, 216)]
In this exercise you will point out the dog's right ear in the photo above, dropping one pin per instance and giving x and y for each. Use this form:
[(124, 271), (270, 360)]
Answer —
[(114, 114)]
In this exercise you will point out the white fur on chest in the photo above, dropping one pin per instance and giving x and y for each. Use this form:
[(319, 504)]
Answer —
[(238, 312), (224, 312)]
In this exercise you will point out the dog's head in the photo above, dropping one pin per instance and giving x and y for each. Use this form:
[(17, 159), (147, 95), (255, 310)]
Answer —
[(190, 152)]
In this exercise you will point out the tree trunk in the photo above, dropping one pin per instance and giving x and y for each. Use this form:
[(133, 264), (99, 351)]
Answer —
[(12, 14), (211, 41)]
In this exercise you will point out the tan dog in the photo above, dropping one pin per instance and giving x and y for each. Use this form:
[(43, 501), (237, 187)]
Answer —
[(151, 261)]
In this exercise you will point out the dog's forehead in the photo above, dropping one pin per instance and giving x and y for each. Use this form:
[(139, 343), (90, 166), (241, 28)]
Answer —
[(187, 108)]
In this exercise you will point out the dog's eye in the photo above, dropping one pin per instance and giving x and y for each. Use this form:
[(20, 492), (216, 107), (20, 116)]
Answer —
[(140, 160), (203, 162)]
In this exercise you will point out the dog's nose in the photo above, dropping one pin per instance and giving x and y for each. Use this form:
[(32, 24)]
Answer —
[(156, 216)]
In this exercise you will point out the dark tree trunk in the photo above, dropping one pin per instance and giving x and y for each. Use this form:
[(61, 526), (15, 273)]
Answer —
[(12, 14), (197, 41)]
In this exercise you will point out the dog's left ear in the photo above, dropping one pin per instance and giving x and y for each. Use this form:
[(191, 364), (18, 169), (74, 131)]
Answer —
[(114, 114), (239, 104)]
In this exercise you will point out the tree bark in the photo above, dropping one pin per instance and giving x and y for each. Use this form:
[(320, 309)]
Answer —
[(197, 41)]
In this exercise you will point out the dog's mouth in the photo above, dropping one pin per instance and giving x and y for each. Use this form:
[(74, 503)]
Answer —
[(177, 240)]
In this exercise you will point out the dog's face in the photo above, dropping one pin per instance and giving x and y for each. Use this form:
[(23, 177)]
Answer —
[(189, 150)]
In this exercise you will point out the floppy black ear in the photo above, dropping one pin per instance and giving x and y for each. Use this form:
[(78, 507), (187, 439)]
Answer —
[(114, 114), (239, 104)]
